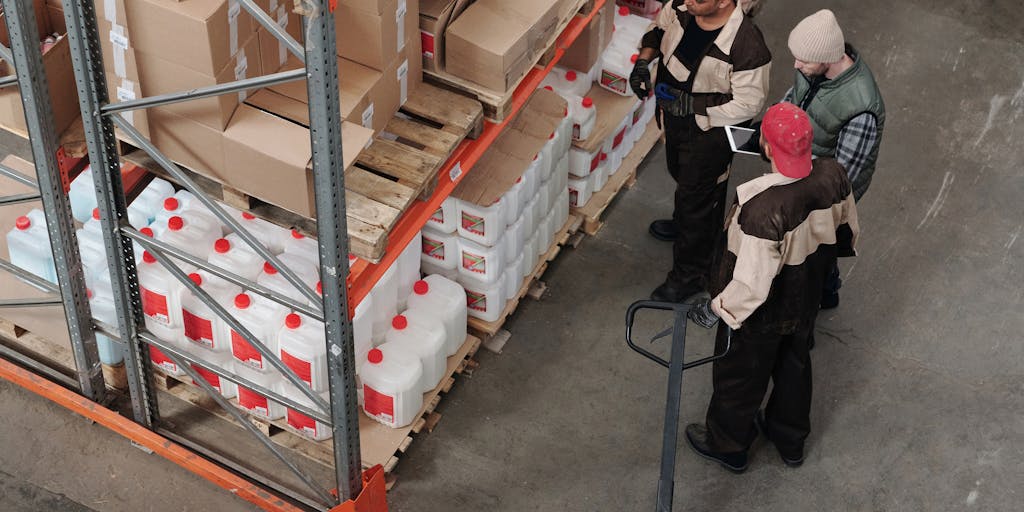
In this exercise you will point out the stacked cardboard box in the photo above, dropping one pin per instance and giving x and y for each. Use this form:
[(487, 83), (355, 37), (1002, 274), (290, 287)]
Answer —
[(592, 41), (57, 66)]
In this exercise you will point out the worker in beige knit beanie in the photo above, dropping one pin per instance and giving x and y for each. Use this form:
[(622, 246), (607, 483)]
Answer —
[(836, 88)]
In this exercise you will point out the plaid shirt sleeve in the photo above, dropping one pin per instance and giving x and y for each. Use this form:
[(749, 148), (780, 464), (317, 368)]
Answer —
[(856, 141)]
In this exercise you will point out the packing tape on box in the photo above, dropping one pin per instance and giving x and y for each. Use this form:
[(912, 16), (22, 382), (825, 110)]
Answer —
[(241, 68), (234, 9), (110, 10), (126, 92), (400, 19), (282, 21), (403, 80), (120, 42), (368, 117)]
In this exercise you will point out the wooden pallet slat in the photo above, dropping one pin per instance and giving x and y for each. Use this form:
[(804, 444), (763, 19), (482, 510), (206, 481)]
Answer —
[(409, 166), (461, 116), (436, 142)]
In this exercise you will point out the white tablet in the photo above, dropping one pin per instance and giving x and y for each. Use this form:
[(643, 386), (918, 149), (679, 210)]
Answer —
[(739, 140)]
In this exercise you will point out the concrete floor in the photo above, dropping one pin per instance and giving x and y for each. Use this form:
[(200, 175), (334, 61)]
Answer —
[(918, 380)]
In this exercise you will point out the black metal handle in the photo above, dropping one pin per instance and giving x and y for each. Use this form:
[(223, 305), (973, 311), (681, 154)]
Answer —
[(680, 309)]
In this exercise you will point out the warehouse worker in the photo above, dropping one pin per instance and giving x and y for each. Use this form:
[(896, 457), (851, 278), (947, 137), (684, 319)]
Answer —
[(784, 234), (836, 88), (712, 72)]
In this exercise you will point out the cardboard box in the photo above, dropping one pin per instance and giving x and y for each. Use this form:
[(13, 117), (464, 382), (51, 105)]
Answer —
[(124, 89), (592, 41), (60, 75), (492, 42), (398, 81), (435, 15), (159, 76), (273, 53), (201, 35), (194, 145), (513, 150), (268, 156), (375, 39), (357, 87)]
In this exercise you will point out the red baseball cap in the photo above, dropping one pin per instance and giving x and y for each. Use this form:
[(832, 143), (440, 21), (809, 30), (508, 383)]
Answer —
[(787, 130)]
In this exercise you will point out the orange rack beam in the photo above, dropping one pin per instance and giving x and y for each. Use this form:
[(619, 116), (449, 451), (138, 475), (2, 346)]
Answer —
[(364, 275)]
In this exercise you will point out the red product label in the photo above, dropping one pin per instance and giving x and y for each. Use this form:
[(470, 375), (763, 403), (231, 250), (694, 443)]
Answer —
[(302, 423), (154, 306), (438, 216), (427, 41), (433, 248), (208, 376), (378, 404), (476, 301), (245, 352), (614, 82), (474, 263), (253, 401), (595, 162), (160, 359), (618, 138), (575, 131), (198, 329), (473, 224), (301, 367), (574, 196)]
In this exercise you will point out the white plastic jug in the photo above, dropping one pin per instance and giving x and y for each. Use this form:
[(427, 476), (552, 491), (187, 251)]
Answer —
[(28, 245), (514, 238), (303, 348), (530, 255), (512, 198), (531, 181), (584, 115), (161, 299), (202, 326), (485, 301), (305, 426), (225, 387), (544, 197), (570, 81), (480, 261), (562, 207), (302, 246), (544, 235), (579, 192), (102, 308), (629, 28), (302, 268), (440, 249), (385, 303), (272, 236), (171, 206), (409, 268), (513, 277), (231, 253), (429, 268), (582, 163), (529, 219), (362, 330), (423, 337), (444, 299), (263, 318), (445, 219), (481, 224), (556, 149), (164, 363), (82, 194), (616, 66), (151, 200), (391, 386), (600, 175), (192, 231), (255, 403)]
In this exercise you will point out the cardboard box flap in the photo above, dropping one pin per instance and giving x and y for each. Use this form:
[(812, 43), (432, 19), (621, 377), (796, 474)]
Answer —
[(283, 106), (355, 83), (611, 109)]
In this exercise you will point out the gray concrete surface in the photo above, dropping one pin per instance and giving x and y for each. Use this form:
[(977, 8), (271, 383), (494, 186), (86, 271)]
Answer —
[(918, 382)]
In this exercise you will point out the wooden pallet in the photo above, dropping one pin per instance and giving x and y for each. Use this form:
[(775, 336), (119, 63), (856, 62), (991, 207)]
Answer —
[(380, 444), (400, 166), (498, 104), (592, 212), (532, 285), (55, 355)]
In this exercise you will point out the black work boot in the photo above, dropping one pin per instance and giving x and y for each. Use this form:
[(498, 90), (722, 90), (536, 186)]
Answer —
[(664, 230), (697, 437), (794, 459), (671, 292)]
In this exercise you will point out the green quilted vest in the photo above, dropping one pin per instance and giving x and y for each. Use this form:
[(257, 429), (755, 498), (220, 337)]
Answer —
[(837, 101)]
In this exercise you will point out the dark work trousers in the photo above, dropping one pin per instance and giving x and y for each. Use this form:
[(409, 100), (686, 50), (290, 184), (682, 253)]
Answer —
[(832, 282), (741, 379), (699, 163)]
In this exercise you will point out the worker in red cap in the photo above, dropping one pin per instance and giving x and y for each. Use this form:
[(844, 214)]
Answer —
[(784, 233)]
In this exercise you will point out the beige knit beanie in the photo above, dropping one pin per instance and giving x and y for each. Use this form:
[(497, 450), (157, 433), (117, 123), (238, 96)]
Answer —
[(818, 38)]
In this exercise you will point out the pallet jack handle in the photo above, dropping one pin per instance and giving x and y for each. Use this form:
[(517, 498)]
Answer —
[(675, 365)]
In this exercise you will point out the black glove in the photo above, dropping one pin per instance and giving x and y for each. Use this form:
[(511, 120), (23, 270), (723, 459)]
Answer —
[(640, 79), (702, 314)]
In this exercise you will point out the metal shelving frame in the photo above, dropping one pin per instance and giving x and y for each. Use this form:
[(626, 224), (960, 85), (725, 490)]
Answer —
[(100, 117)]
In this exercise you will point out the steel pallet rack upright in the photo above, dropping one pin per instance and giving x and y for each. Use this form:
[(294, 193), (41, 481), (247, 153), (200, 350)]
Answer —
[(100, 117), (70, 290)]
